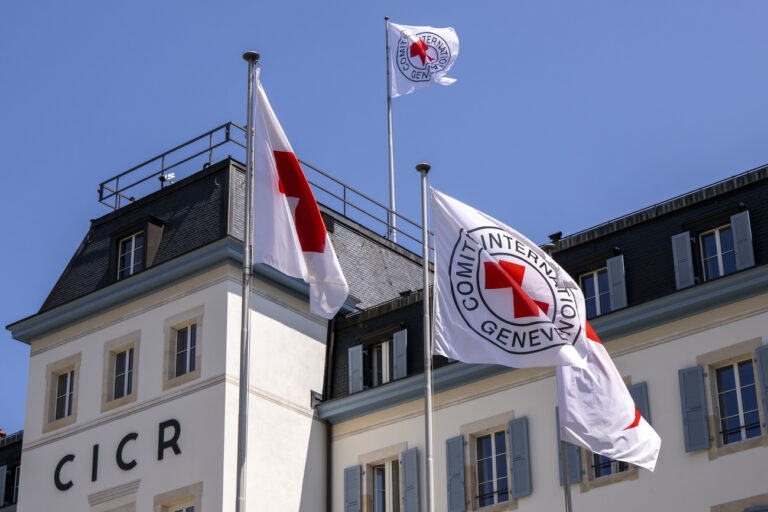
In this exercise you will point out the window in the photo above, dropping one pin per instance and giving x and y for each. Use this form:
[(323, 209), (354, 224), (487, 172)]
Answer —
[(604, 466), (65, 391), (377, 364), (597, 294), (186, 349), (15, 488), (718, 256), (130, 255), (492, 483), (183, 347), (61, 393), (121, 371), (737, 398), (386, 486), (123, 382), (186, 499)]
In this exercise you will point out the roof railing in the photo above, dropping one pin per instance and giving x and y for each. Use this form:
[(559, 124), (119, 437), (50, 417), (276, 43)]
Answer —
[(229, 138)]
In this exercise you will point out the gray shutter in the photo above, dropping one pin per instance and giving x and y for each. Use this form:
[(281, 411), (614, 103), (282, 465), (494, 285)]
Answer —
[(639, 394), (355, 369), (518, 453), (574, 456), (454, 455), (681, 253), (694, 405), (353, 489), (742, 240), (761, 355), (409, 460), (616, 282), (399, 354), (3, 473)]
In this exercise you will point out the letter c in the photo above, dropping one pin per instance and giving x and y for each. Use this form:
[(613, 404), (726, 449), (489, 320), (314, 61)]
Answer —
[(57, 474), (125, 466)]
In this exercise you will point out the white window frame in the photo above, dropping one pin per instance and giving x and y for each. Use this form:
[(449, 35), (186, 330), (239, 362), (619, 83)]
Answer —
[(189, 353), (69, 395), (385, 348), (171, 327), (391, 469), (132, 251), (617, 466), (127, 387), (494, 456), (739, 401), (15, 485), (719, 250), (596, 291)]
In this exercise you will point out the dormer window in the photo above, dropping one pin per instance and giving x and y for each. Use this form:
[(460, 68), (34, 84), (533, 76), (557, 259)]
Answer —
[(131, 255), (717, 252)]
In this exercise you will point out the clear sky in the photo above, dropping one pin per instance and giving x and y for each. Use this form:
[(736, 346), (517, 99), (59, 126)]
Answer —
[(564, 114)]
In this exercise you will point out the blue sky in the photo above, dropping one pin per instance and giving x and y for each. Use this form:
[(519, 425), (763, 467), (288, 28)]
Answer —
[(564, 114)]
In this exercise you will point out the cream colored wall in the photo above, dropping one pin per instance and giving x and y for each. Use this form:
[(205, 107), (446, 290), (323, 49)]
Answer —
[(286, 443), (681, 481)]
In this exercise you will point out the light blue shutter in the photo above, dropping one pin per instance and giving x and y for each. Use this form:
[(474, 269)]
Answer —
[(574, 456), (639, 394), (681, 254), (694, 405), (355, 369), (399, 354), (616, 282), (761, 355), (454, 456), (353, 489), (409, 460), (3, 473), (518, 453), (742, 240)]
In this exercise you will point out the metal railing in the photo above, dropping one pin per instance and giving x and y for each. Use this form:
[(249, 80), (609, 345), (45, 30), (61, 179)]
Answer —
[(214, 145)]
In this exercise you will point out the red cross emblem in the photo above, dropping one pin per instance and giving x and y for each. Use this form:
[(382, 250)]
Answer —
[(420, 49), (505, 274)]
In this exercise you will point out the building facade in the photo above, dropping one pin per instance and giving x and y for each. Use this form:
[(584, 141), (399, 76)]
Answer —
[(132, 396)]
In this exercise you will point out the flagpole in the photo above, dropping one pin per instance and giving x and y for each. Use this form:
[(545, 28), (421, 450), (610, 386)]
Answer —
[(391, 219), (242, 418), (424, 169)]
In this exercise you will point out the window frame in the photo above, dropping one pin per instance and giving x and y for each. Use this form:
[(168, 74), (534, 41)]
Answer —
[(369, 370), (392, 485), (710, 362), (719, 252), (389, 457), (738, 388), (494, 467), (136, 235), (171, 327), (597, 294), (171, 501), (69, 366), (112, 349)]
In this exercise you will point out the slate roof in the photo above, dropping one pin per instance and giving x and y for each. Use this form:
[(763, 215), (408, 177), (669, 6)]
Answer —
[(208, 206)]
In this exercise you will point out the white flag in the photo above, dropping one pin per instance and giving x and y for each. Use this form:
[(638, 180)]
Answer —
[(288, 231), (499, 298), (598, 413), (420, 56)]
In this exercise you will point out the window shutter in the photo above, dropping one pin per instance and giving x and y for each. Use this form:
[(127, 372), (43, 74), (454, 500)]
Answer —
[(574, 456), (521, 462), (742, 240), (409, 460), (639, 394), (353, 489), (681, 253), (3, 473), (399, 354), (454, 455), (616, 282), (759, 508), (355, 369), (694, 405), (761, 355)]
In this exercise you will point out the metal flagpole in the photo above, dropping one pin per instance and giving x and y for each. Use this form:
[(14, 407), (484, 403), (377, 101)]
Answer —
[(242, 419), (391, 219), (566, 478), (424, 169)]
